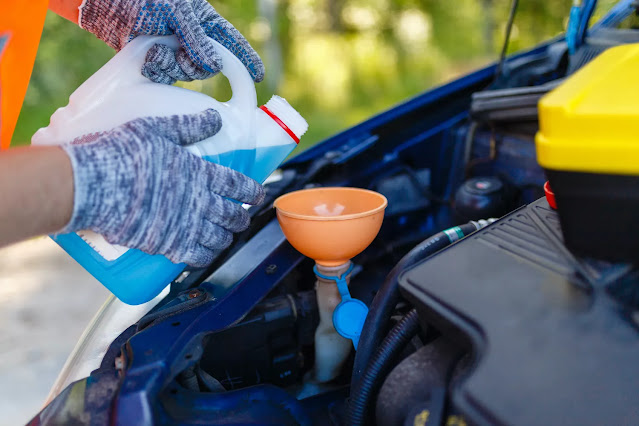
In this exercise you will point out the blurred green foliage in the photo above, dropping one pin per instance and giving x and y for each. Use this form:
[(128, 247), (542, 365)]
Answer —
[(337, 61)]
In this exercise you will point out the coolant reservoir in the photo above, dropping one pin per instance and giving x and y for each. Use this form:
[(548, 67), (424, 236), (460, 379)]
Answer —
[(589, 146)]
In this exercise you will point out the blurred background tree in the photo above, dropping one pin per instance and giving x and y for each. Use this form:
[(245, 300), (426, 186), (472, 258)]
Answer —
[(337, 61)]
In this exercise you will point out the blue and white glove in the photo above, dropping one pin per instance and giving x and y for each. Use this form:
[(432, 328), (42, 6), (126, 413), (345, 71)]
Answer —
[(194, 22), (139, 188)]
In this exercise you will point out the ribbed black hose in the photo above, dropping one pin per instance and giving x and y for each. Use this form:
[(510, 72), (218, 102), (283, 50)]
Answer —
[(374, 374), (381, 309)]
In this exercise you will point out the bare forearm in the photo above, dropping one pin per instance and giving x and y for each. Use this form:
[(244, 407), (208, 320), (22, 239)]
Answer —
[(66, 8), (36, 192)]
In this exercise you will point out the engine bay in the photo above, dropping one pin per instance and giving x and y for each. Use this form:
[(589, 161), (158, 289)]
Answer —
[(498, 325)]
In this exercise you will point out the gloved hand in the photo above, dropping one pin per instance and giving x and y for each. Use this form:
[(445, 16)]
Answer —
[(193, 21), (137, 187)]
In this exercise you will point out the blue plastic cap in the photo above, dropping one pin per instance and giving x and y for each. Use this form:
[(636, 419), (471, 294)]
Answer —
[(348, 319)]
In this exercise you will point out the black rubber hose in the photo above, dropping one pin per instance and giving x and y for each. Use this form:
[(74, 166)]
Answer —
[(381, 309), (373, 377), (419, 379)]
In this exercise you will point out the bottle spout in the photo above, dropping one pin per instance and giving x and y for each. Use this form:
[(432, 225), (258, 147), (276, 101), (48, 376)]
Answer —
[(286, 117)]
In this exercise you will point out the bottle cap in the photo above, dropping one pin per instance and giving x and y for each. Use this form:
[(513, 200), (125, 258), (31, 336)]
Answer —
[(348, 319), (285, 115)]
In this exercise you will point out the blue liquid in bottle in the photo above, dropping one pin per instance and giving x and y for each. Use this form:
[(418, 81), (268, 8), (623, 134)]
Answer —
[(136, 277), (256, 163)]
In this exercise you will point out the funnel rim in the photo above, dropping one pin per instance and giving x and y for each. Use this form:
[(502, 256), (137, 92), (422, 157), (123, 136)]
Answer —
[(351, 216)]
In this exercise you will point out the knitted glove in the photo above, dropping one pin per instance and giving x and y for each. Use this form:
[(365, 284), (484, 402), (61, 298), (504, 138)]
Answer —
[(193, 21), (137, 187)]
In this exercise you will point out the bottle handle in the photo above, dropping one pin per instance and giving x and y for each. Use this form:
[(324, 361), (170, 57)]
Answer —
[(134, 56), (242, 85)]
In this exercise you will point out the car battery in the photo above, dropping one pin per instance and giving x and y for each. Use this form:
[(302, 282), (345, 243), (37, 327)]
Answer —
[(588, 144)]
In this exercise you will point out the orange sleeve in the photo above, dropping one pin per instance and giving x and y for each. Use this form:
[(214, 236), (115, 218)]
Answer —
[(22, 22)]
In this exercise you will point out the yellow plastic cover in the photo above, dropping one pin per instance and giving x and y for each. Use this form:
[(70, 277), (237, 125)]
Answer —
[(591, 122)]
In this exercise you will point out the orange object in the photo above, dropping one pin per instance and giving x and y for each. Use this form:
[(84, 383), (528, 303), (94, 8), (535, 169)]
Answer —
[(22, 21), (331, 225)]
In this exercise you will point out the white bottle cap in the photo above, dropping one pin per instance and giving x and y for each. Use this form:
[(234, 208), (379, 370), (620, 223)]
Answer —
[(283, 111)]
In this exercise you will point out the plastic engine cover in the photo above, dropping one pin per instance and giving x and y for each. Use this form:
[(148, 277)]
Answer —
[(551, 344)]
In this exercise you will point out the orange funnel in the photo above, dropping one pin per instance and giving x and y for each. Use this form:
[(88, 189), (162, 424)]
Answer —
[(331, 225)]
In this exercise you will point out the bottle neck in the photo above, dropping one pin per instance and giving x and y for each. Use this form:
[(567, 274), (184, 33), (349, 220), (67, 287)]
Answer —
[(280, 123), (333, 271)]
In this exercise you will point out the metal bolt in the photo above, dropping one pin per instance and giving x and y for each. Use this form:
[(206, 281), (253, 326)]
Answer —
[(194, 293), (271, 269)]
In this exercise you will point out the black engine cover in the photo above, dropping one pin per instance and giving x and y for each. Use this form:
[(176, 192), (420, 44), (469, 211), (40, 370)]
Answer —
[(552, 345)]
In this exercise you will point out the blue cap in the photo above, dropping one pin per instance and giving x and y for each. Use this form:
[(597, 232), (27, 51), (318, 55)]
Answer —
[(350, 314), (348, 319)]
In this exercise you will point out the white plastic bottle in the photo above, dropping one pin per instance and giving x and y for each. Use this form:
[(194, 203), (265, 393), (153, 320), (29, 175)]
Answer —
[(252, 140)]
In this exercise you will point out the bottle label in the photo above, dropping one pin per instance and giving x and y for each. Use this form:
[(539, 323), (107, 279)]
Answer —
[(105, 249)]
